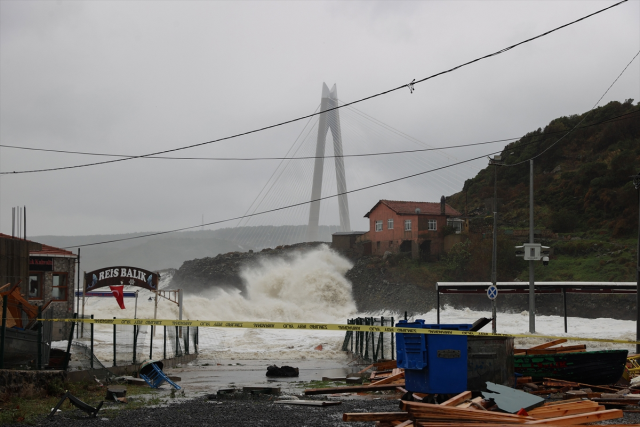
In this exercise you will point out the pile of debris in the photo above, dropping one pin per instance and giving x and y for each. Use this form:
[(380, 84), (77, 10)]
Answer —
[(454, 412)]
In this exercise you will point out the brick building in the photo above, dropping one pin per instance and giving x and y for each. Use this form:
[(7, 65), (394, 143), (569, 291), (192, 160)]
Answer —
[(50, 282), (416, 227)]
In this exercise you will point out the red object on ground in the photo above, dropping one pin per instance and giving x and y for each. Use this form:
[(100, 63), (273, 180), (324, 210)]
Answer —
[(318, 347), (522, 412), (118, 293)]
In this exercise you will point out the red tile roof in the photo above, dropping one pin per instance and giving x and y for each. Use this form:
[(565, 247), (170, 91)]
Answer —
[(409, 208), (46, 249)]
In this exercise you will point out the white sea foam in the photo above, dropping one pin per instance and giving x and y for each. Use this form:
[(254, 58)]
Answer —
[(310, 287)]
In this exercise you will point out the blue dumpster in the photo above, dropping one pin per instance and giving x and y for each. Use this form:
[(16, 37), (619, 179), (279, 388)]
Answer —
[(433, 363)]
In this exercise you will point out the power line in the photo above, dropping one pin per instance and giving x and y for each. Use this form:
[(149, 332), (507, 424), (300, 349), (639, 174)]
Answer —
[(374, 185), (286, 207), (611, 119), (583, 118), (410, 86)]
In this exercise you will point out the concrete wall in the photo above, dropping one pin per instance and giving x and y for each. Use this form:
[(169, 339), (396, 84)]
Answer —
[(13, 381)]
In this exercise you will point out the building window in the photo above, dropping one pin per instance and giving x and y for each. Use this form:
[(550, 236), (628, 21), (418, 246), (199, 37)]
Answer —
[(59, 287), (390, 223), (35, 286), (378, 225), (433, 225), (407, 225)]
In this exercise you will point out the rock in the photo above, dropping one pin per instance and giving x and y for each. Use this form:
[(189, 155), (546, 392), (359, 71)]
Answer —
[(319, 347), (284, 371)]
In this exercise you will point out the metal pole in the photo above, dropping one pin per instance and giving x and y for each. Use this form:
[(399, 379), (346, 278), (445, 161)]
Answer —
[(165, 342), (494, 255), (24, 225), (78, 286), (39, 361), (4, 328), (114, 343), (155, 308), (135, 310), (532, 290), (151, 345), (92, 343), (636, 183), (135, 342), (68, 355), (180, 309), (392, 341), (564, 303), (84, 291), (437, 306)]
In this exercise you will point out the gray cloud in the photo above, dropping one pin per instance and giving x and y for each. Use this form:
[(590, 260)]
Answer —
[(138, 77)]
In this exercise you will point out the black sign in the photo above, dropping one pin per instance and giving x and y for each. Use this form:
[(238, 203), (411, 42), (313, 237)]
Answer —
[(40, 263), (128, 276)]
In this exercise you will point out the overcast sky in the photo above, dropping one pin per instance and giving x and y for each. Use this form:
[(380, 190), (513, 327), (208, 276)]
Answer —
[(139, 77)]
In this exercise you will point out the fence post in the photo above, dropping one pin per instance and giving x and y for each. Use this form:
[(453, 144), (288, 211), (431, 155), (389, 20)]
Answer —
[(4, 327), (135, 342), (197, 338), (186, 342), (114, 343), (151, 344), (39, 360), (382, 337), (68, 355), (175, 353), (165, 341), (393, 335), (92, 343), (366, 340)]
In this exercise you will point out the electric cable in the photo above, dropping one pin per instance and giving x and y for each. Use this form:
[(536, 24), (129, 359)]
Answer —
[(409, 85), (303, 157), (583, 118)]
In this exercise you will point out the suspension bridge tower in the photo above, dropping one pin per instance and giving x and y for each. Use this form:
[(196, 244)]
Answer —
[(328, 120)]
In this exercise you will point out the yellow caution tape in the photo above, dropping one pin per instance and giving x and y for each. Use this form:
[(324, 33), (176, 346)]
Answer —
[(318, 326)]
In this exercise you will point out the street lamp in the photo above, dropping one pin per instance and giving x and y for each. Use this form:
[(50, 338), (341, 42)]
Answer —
[(636, 184), (496, 161)]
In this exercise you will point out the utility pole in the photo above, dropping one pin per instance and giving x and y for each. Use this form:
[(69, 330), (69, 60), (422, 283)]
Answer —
[(636, 184), (497, 160), (532, 291)]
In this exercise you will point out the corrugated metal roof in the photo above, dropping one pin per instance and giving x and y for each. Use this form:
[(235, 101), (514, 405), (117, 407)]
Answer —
[(409, 208)]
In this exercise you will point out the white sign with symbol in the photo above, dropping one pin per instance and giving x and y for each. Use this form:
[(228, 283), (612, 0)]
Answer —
[(492, 292)]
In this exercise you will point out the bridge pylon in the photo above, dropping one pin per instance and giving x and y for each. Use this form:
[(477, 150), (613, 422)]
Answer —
[(328, 120)]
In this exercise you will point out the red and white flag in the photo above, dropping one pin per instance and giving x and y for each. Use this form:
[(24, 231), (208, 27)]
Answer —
[(118, 292)]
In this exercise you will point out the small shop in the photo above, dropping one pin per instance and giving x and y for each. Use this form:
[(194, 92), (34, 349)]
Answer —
[(51, 283)]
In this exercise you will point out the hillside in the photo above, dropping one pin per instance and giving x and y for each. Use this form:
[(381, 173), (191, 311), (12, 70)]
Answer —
[(581, 184)]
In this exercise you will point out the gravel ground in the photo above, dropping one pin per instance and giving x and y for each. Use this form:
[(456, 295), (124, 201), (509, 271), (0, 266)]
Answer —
[(258, 411), (255, 411)]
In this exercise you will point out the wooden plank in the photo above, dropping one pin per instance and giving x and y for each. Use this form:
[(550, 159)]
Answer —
[(556, 408), (428, 408), (389, 379), (408, 423), (524, 380), (365, 370), (563, 402), (592, 387), (309, 402), (549, 344), (352, 389), (389, 364), (568, 411), (469, 404), (593, 417), (455, 400), (375, 416)]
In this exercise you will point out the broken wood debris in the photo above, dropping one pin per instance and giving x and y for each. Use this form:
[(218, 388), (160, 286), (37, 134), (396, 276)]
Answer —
[(458, 410)]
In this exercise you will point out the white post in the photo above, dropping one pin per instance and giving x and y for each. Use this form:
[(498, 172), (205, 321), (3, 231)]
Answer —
[(84, 291), (135, 311), (155, 311)]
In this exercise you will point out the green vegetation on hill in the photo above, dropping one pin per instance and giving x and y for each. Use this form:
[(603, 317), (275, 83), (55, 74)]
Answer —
[(581, 184)]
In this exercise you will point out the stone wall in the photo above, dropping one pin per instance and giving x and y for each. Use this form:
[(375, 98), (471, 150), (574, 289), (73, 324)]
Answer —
[(27, 382)]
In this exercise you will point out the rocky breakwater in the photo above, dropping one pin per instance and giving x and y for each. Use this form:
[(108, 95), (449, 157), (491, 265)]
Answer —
[(223, 270)]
